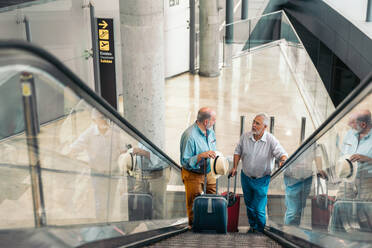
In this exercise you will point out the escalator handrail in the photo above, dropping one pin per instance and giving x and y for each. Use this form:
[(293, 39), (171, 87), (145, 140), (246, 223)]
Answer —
[(345, 106), (98, 102), (253, 18)]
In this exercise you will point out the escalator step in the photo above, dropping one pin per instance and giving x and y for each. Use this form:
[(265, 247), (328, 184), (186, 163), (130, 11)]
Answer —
[(191, 239)]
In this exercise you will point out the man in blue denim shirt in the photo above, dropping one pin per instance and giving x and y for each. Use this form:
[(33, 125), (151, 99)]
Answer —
[(197, 146), (357, 144)]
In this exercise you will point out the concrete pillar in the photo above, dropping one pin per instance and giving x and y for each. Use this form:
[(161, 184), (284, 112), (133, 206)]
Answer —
[(209, 38), (192, 36), (369, 11), (142, 37), (244, 9), (229, 34)]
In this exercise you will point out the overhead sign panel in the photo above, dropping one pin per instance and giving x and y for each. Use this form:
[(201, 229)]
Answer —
[(105, 27)]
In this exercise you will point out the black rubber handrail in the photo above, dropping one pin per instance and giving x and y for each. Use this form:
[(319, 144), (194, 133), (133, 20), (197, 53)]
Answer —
[(80, 88), (138, 239), (346, 105)]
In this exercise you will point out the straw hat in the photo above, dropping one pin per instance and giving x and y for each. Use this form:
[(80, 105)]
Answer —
[(219, 165), (127, 162), (345, 169)]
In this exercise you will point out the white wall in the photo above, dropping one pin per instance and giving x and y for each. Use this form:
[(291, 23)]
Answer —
[(353, 10)]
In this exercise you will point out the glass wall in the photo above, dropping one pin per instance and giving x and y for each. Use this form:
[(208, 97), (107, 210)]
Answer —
[(327, 186), (14, 183), (275, 29), (94, 168), (61, 27), (308, 80)]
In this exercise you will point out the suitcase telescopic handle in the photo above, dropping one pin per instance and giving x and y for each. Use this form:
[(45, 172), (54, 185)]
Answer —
[(228, 189), (228, 185), (205, 176), (319, 185), (235, 185)]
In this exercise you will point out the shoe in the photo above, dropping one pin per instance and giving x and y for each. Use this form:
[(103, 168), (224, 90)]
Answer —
[(251, 230)]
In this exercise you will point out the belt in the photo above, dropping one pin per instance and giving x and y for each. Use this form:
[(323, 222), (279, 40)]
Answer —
[(251, 177)]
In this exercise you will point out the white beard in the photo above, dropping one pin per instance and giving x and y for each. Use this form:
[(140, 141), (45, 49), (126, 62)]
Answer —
[(257, 132)]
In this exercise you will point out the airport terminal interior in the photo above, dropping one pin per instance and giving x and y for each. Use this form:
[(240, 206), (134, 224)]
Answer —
[(96, 94)]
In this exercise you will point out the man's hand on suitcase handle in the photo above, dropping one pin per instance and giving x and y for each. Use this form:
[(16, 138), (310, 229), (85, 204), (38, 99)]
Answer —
[(232, 172), (322, 174)]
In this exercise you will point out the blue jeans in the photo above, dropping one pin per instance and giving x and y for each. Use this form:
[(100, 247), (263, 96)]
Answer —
[(296, 193), (255, 198)]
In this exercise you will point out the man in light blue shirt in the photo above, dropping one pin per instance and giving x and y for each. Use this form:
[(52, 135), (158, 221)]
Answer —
[(257, 149), (150, 178), (357, 143), (197, 146)]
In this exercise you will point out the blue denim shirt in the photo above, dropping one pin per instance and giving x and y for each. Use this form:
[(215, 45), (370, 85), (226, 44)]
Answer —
[(194, 142)]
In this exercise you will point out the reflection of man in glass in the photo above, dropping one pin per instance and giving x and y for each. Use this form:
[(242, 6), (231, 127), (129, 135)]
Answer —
[(357, 144), (298, 180), (147, 181), (103, 146)]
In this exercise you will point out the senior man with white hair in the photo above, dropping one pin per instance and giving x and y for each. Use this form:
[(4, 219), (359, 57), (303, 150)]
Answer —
[(257, 149)]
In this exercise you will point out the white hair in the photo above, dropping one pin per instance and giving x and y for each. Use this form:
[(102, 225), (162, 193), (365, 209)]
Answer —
[(266, 118)]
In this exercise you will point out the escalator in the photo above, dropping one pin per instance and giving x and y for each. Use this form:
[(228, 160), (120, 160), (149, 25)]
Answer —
[(57, 190), (321, 196), (190, 239), (73, 171)]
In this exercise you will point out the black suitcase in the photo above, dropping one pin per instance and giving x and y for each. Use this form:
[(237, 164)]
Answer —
[(139, 206), (210, 211)]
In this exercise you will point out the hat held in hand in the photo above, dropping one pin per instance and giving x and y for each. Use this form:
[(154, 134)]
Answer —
[(127, 162), (345, 169), (219, 165)]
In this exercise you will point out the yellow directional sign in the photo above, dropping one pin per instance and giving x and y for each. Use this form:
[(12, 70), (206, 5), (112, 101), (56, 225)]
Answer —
[(103, 24), (104, 45), (103, 34), (26, 89)]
